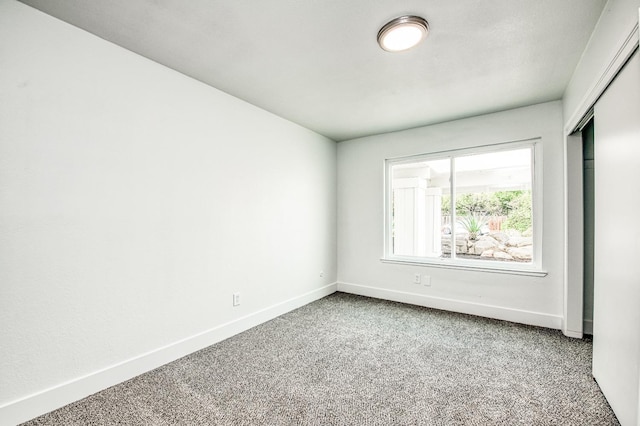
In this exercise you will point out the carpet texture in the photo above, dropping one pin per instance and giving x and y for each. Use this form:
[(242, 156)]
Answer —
[(350, 360)]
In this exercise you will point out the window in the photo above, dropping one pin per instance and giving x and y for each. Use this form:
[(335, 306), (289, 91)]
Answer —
[(470, 208)]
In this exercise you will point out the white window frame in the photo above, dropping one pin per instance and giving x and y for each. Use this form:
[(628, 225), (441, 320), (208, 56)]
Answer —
[(533, 268)]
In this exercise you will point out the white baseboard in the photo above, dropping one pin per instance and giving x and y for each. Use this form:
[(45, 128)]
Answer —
[(489, 311), (58, 396), (573, 334), (587, 328)]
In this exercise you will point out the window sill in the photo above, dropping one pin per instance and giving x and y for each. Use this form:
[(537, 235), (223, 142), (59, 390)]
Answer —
[(526, 271)]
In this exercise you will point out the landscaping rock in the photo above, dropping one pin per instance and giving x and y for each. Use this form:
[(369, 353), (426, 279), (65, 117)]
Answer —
[(486, 243), (488, 238), (519, 241), (512, 233), (499, 236), (487, 253), (502, 255), (522, 253), (461, 245), (507, 245)]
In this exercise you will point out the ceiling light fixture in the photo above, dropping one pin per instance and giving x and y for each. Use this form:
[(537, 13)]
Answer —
[(402, 33)]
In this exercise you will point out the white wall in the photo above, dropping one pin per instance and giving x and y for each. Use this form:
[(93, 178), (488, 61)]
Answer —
[(613, 41), (534, 300), (134, 202)]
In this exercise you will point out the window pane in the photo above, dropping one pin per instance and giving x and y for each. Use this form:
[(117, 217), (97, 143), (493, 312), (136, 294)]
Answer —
[(417, 207), (493, 206)]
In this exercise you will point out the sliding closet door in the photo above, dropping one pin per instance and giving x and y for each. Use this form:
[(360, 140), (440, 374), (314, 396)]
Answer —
[(616, 322)]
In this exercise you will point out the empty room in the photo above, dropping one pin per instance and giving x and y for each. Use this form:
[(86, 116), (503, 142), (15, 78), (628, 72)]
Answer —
[(418, 212)]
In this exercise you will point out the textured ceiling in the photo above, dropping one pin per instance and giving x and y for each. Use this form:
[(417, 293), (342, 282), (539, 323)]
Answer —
[(317, 63)]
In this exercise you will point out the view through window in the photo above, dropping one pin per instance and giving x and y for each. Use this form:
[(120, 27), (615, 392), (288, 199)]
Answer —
[(473, 206)]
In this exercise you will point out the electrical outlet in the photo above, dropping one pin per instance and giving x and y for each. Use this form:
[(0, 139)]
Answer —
[(416, 278), (426, 280), (236, 299)]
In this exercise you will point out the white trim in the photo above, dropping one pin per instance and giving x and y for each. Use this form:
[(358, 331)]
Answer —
[(467, 266), (607, 75), (572, 334), (537, 204), (574, 236), (601, 82), (539, 319), (471, 150), (58, 396), (532, 269)]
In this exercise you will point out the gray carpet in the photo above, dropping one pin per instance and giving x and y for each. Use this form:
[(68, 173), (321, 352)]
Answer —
[(350, 360)]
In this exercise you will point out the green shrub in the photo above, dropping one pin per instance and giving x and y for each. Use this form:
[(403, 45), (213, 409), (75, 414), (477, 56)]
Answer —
[(515, 205), (519, 217), (473, 224)]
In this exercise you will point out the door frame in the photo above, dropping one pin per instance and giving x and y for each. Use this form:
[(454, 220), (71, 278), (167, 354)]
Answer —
[(572, 318)]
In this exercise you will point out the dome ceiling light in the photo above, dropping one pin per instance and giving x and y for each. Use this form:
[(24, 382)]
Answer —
[(402, 33)]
